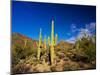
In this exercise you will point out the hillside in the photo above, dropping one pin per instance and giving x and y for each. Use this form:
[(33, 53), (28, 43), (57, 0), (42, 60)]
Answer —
[(67, 56), (64, 45), (18, 38)]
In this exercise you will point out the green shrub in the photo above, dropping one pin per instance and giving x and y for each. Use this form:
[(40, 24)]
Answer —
[(21, 52), (86, 47)]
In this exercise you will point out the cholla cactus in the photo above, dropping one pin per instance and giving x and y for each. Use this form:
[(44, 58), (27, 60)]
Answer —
[(56, 38), (52, 54), (39, 45)]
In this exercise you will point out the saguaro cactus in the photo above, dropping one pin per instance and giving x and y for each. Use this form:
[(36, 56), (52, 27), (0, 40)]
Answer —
[(45, 43), (52, 55), (56, 38), (25, 42), (39, 45), (49, 41)]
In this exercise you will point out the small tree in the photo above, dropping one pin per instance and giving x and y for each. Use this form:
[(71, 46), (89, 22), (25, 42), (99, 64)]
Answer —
[(86, 47)]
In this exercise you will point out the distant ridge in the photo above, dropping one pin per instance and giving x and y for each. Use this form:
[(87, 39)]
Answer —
[(64, 44), (18, 38), (21, 36)]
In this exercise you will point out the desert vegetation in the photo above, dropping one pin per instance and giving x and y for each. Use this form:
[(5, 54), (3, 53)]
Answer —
[(49, 55)]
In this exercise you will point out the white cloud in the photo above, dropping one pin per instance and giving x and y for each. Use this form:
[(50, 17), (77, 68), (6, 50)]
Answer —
[(91, 27), (88, 30), (82, 31), (79, 32), (73, 28), (71, 40)]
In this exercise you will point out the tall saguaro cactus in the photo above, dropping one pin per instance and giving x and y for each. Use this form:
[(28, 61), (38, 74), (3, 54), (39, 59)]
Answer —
[(39, 45), (52, 55), (52, 33)]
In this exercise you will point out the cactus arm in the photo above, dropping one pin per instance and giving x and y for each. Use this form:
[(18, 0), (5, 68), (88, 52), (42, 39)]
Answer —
[(45, 42), (39, 45), (56, 38), (49, 41)]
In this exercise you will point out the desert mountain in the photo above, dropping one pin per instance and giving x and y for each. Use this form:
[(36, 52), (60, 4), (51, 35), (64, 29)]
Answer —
[(18, 38), (64, 45)]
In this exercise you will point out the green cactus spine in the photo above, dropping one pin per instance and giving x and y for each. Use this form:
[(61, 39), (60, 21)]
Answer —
[(39, 45)]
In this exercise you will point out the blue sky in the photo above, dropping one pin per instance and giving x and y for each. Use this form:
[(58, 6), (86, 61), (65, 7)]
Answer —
[(70, 20)]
